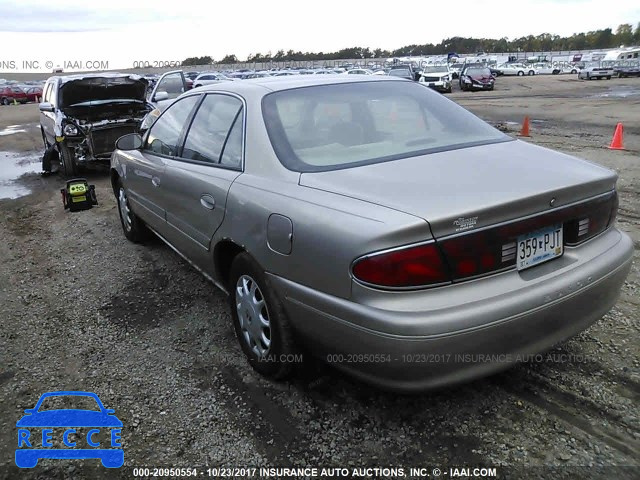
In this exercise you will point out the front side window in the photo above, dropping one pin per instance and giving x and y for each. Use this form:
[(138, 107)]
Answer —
[(328, 127), (47, 94), (165, 133), (210, 131)]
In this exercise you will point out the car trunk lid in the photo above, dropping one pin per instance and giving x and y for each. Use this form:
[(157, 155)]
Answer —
[(470, 188)]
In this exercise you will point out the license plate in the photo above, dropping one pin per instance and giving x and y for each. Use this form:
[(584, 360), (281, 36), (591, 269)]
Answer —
[(538, 247), (431, 84), (81, 198)]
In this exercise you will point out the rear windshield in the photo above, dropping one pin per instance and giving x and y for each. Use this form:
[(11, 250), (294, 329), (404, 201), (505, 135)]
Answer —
[(329, 127), (400, 72)]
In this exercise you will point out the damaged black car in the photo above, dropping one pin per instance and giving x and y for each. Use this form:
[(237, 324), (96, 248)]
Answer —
[(82, 116)]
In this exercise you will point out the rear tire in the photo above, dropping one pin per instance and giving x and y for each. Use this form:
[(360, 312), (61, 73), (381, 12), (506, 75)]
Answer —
[(5, 101), (521, 73), (259, 320), (133, 228), (531, 72), (67, 161)]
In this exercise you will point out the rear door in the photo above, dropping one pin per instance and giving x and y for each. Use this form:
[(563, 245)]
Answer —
[(198, 181)]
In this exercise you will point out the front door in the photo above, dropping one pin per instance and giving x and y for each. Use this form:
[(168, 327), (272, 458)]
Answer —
[(169, 87), (145, 170)]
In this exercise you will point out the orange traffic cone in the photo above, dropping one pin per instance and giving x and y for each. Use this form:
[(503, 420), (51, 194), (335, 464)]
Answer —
[(616, 141), (525, 127)]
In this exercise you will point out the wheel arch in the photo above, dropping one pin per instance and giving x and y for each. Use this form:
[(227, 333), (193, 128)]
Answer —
[(115, 178), (223, 254)]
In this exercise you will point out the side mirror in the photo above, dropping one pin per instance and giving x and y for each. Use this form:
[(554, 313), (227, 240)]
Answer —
[(159, 96), (30, 410), (131, 141), (109, 411), (46, 107)]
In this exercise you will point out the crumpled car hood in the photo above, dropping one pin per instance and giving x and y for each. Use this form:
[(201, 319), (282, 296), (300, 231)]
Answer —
[(102, 89)]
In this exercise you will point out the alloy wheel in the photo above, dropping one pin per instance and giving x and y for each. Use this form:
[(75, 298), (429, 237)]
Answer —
[(125, 213)]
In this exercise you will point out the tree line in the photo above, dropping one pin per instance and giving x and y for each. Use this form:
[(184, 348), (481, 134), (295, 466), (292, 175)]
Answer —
[(625, 34)]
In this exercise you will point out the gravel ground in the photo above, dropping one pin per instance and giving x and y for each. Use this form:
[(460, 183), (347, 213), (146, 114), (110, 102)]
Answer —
[(81, 308)]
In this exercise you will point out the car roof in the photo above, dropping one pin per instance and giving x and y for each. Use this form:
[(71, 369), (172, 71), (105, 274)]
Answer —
[(272, 84)]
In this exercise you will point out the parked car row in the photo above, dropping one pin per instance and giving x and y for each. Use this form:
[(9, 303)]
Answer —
[(13, 93)]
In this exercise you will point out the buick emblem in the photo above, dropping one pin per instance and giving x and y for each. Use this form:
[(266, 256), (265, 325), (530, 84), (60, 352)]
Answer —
[(552, 202)]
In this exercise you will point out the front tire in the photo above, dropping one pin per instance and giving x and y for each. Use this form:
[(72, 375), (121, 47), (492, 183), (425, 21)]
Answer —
[(531, 72), (521, 73), (133, 228), (44, 139), (259, 320), (68, 161)]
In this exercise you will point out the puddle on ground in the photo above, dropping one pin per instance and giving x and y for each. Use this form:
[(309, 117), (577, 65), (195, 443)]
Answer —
[(12, 167), (11, 129), (622, 91)]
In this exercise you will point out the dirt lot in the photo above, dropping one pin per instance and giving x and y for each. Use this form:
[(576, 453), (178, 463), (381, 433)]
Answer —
[(83, 309)]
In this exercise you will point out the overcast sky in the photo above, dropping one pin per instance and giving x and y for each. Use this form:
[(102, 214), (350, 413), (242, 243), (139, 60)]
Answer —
[(124, 31)]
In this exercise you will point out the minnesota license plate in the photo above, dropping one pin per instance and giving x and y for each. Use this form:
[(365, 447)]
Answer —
[(539, 247), (80, 198)]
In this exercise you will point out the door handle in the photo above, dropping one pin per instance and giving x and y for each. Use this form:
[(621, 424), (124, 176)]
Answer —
[(155, 181), (208, 202)]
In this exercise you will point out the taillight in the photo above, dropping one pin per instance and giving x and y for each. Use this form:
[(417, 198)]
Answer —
[(493, 249), (479, 253), (405, 267), (593, 220)]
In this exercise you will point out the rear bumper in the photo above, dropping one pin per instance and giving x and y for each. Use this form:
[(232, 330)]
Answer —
[(416, 349)]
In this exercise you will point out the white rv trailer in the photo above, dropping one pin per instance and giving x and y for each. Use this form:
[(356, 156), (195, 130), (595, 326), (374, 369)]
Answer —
[(629, 53)]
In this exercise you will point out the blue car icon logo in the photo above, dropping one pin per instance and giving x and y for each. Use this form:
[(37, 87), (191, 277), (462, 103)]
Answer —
[(37, 429)]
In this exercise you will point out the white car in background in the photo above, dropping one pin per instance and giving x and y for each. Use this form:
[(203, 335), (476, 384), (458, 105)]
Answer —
[(359, 71), (437, 77), (210, 78), (573, 69), (546, 69), (519, 69)]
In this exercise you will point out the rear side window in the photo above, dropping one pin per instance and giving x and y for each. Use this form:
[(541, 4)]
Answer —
[(328, 127), (165, 133), (211, 128)]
